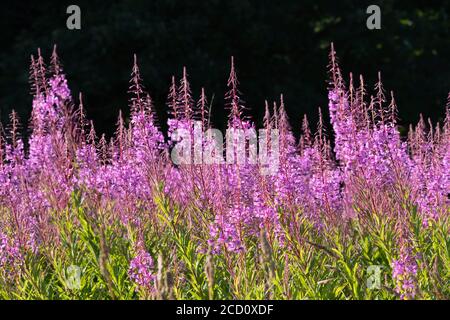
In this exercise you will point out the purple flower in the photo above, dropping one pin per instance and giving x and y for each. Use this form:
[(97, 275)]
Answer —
[(141, 269), (404, 272), (10, 257)]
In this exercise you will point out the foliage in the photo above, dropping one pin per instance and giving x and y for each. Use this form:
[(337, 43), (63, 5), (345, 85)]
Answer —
[(136, 226)]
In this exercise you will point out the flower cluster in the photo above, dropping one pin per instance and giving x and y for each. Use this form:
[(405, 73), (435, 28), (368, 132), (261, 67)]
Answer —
[(141, 269), (10, 257), (327, 177), (404, 271)]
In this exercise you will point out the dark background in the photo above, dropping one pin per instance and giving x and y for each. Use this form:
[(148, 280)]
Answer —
[(279, 47)]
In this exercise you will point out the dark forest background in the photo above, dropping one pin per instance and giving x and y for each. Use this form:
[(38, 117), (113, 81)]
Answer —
[(279, 47)]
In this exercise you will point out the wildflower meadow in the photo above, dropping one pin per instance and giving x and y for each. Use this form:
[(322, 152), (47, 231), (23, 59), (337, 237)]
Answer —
[(353, 209)]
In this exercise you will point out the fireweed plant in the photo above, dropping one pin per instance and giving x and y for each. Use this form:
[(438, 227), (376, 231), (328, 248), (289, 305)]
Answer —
[(138, 226)]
